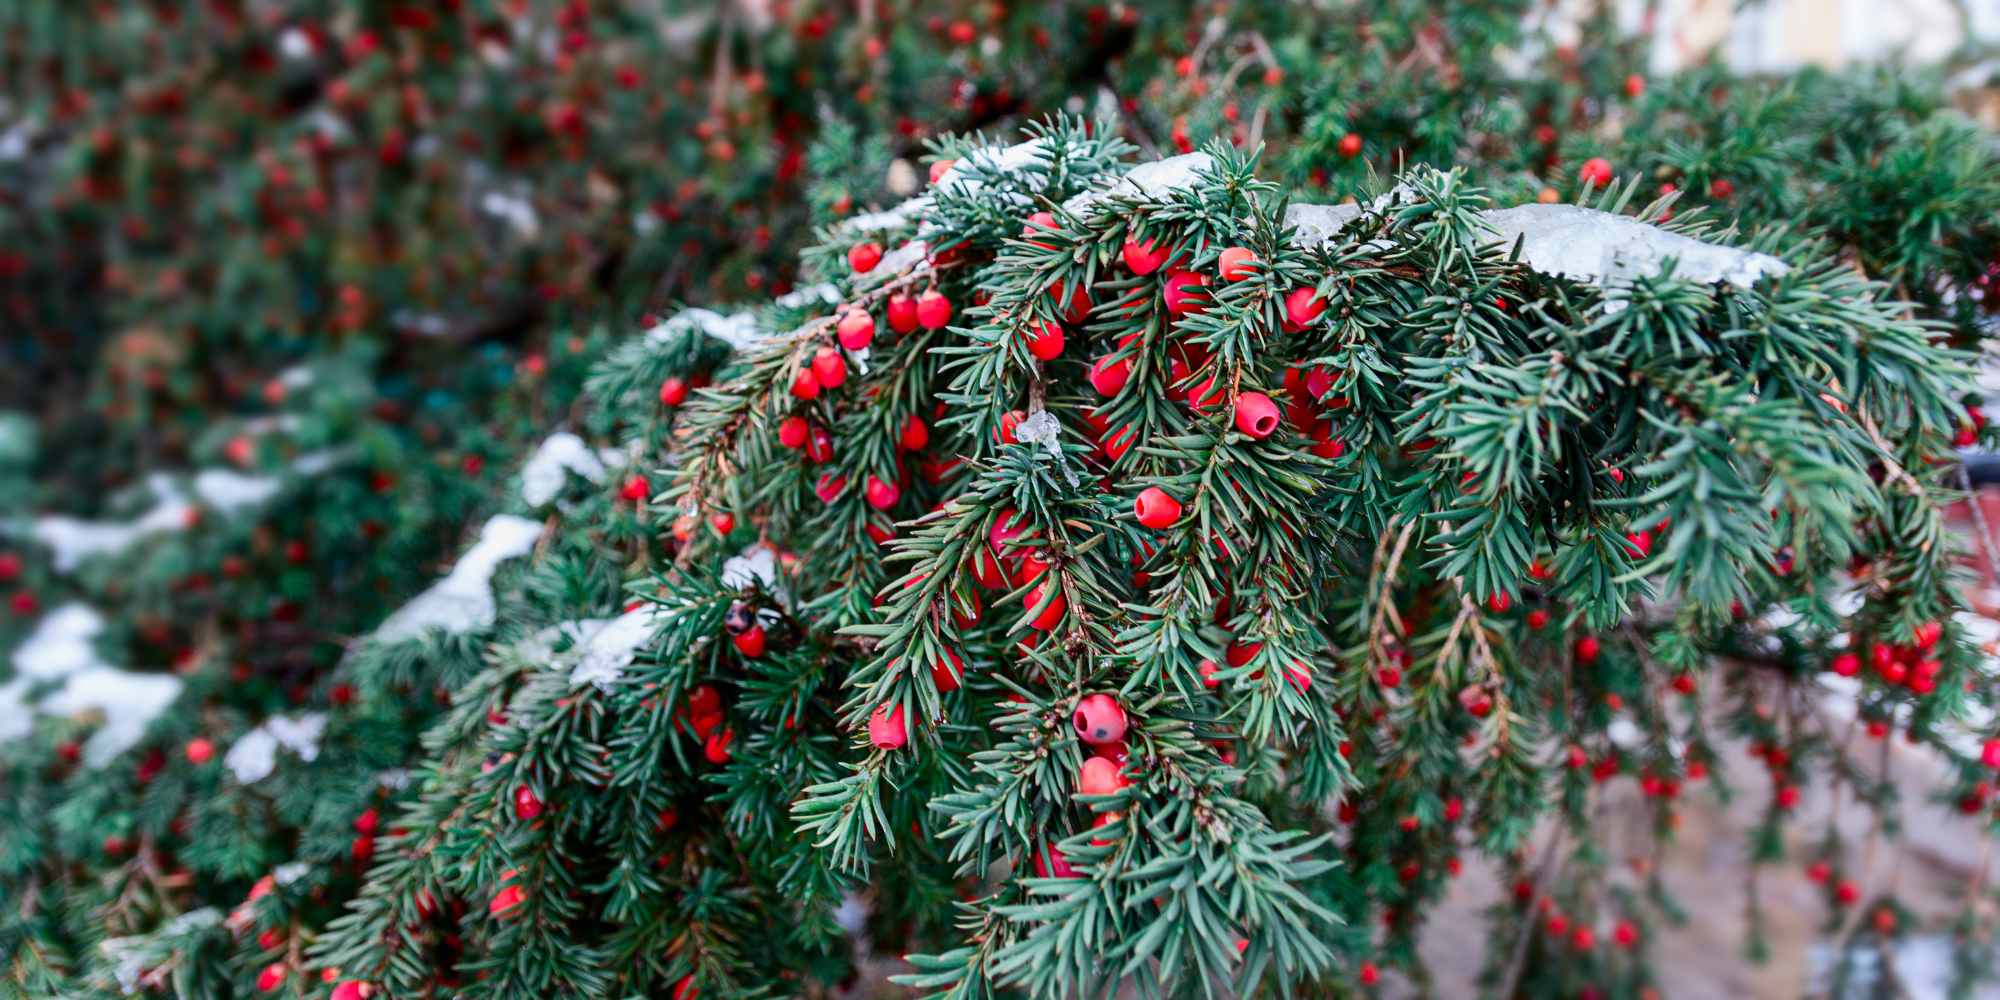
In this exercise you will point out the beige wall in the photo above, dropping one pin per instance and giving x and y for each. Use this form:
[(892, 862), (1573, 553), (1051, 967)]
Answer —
[(1782, 35)]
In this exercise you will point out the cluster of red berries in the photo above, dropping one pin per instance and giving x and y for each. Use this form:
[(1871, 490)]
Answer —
[(1913, 666), (702, 715)]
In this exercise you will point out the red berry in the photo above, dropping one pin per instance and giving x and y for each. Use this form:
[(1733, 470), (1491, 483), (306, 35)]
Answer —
[(1207, 669), (1186, 293), (792, 432), (885, 729), (1256, 414), (272, 977), (1845, 664), (1156, 508), (1499, 602), (716, 747), (1045, 340), (751, 642), (526, 805), (1820, 871), (674, 391), (199, 750), (1846, 892), (1640, 542), (1099, 720), (1350, 146), (1099, 776), (914, 435), (1240, 653), (362, 991), (368, 822), (829, 367), (881, 495), (901, 312), (1596, 172), (1684, 683), (10, 566), (939, 168), (1143, 257), (1369, 974), (805, 385), (856, 331), (1303, 307), (864, 257), (946, 678), (1927, 634), (1107, 376), (1635, 85), (933, 310), (819, 445), (1587, 648), (1039, 222), (1051, 615), (506, 899), (1236, 264), (1989, 754)]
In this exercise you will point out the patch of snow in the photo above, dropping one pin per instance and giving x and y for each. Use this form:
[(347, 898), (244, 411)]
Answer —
[(911, 256), (738, 331), (1589, 245), (313, 463), (1623, 733), (395, 778), (851, 914), (1319, 223), (895, 218), (229, 491), (463, 600), (130, 702), (255, 755), (542, 477), (608, 646), (518, 213), (822, 293), (17, 719), (992, 160), (759, 564), (61, 644), (73, 540), (1152, 181), (252, 757), (1042, 427), (290, 872)]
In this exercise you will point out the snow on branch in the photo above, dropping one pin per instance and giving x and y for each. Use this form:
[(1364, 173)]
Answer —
[(463, 600), (61, 649), (1598, 247), (542, 476), (73, 540), (1569, 241)]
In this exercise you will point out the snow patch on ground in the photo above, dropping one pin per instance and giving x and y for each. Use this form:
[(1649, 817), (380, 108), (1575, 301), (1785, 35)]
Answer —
[(542, 477), (463, 600)]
